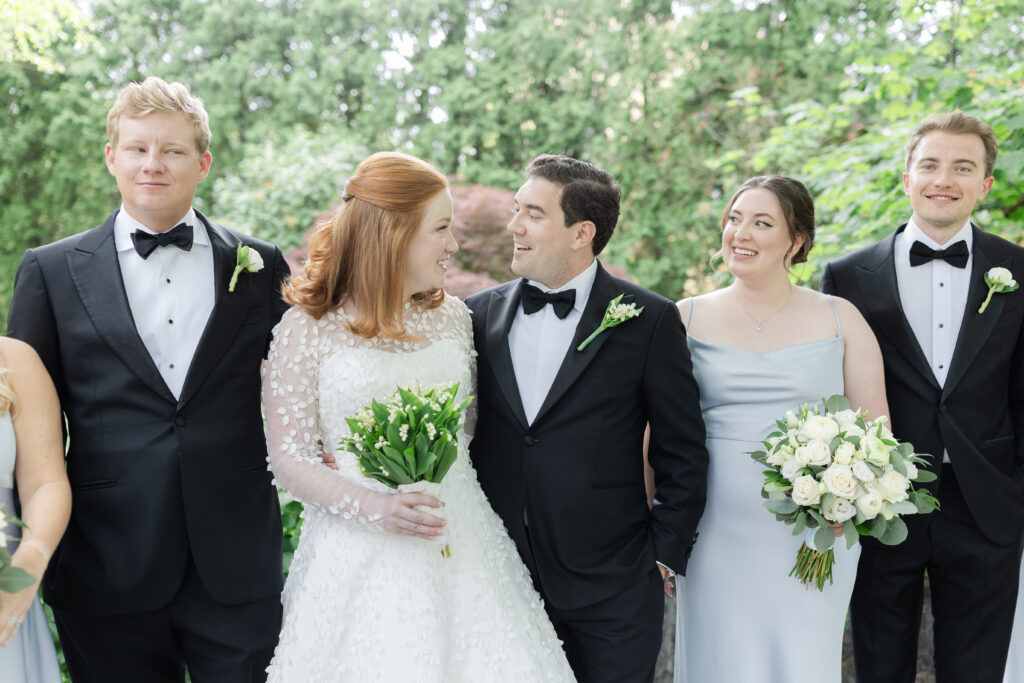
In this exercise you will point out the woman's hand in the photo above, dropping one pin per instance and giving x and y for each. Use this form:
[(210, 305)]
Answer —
[(399, 515), (14, 606)]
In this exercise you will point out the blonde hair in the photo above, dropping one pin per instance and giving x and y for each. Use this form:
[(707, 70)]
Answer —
[(156, 95), (8, 402), (956, 123), (360, 253)]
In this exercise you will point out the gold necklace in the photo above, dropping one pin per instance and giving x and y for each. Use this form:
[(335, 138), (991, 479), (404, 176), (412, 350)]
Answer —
[(759, 324)]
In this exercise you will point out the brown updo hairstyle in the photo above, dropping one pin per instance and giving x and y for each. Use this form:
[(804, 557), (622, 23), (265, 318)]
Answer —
[(359, 254), (797, 208)]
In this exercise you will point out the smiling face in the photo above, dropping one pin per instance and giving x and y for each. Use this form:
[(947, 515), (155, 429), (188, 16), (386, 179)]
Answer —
[(427, 259), (545, 250), (945, 178), (756, 238), (157, 167)]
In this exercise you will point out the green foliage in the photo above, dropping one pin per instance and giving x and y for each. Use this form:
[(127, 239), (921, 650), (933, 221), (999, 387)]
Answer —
[(291, 523), (282, 184)]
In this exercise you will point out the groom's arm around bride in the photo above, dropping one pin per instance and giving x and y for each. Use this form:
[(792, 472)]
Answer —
[(559, 441)]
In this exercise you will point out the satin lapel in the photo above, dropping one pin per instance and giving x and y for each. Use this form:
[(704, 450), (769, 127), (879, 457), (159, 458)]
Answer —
[(501, 313), (228, 311), (96, 273), (884, 311), (575, 362), (976, 328)]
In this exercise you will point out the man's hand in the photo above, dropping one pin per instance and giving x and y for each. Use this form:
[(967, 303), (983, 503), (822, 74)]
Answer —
[(326, 457), (668, 580)]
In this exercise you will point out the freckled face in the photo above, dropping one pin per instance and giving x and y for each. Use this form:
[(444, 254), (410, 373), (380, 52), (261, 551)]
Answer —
[(157, 167), (945, 180), (427, 260), (755, 238)]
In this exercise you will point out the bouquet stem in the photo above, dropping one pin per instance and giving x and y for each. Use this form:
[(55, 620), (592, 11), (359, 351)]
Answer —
[(813, 567)]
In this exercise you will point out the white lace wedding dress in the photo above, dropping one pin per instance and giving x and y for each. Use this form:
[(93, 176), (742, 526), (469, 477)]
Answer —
[(362, 604)]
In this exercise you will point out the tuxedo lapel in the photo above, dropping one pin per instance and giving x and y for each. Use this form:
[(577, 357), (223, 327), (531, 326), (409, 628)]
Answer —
[(575, 362), (501, 313), (96, 274), (229, 308), (876, 278), (976, 328)]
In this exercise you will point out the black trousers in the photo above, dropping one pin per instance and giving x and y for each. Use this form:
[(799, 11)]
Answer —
[(974, 586), (616, 640), (216, 643)]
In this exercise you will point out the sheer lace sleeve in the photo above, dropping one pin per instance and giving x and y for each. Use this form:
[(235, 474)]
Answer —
[(290, 394), (465, 325)]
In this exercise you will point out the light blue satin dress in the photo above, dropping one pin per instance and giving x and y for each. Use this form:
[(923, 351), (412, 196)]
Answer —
[(741, 617), (30, 657)]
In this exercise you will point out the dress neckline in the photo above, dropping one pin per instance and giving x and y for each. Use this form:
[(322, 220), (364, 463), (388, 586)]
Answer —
[(760, 353)]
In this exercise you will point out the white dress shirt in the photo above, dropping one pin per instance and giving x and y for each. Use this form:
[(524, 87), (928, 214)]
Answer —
[(539, 342), (934, 296), (171, 295)]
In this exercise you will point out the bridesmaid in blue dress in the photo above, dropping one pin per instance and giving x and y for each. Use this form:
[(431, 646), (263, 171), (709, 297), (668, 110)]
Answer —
[(760, 347), (31, 461)]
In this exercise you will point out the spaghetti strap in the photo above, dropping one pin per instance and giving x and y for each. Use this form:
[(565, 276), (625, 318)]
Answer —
[(835, 312), (689, 314)]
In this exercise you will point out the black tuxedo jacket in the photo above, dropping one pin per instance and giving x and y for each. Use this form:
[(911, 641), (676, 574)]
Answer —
[(978, 415), (154, 478), (577, 471)]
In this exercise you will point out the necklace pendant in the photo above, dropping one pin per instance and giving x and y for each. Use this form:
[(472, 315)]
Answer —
[(759, 327)]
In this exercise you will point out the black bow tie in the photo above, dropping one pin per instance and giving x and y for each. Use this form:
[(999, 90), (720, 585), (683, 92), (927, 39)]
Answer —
[(955, 255), (145, 242), (534, 300)]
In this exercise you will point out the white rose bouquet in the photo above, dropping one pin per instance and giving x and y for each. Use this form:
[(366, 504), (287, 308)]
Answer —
[(410, 441), (12, 579), (833, 470)]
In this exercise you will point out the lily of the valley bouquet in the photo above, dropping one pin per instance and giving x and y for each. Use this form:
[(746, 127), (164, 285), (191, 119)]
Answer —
[(12, 579), (834, 470), (410, 440)]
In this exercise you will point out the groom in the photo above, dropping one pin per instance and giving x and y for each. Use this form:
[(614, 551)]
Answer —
[(172, 558), (955, 384), (560, 437)]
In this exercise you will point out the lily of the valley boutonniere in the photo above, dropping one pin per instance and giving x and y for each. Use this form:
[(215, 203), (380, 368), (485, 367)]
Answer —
[(616, 314), (246, 259), (999, 281)]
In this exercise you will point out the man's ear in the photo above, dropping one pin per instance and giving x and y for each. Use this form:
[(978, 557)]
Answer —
[(585, 233)]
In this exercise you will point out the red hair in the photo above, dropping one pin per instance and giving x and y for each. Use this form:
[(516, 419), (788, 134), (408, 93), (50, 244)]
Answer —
[(359, 254)]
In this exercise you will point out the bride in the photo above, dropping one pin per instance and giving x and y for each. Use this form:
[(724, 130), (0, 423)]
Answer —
[(369, 596)]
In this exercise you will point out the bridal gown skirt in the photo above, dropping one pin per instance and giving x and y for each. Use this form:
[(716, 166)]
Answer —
[(365, 605), (741, 617)]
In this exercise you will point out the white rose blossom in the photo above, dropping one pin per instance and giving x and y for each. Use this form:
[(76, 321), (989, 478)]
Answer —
[(820, 428), (911, 470), (845, 418), (818, 454), (870, 504), (862, 471), (875, 451), (839, 481), (844, 453), (839, 510), (893, 486), (853, 430), (806, 491), (802, 455), (791, 469)]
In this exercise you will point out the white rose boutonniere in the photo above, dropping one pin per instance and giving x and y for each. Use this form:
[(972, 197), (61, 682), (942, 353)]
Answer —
[(616, 314), (246, 259), (999, 281)]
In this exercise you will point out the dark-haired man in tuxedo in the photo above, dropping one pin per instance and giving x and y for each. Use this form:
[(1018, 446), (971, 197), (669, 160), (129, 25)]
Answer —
[(954, 373), (172, 558), (559, 441)]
